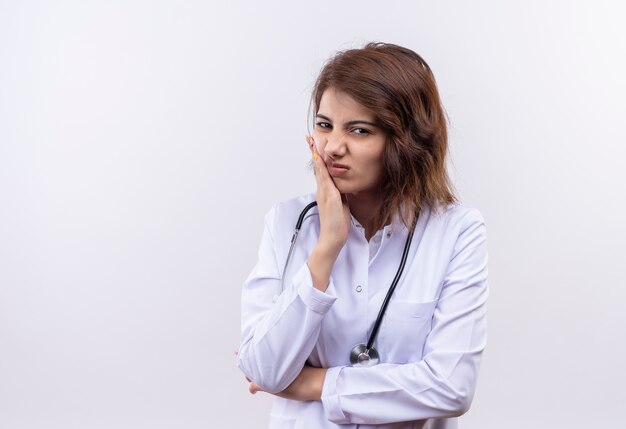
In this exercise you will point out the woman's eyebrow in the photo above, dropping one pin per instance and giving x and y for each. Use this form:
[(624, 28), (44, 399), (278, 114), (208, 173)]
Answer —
[(359, 121), (349, 123)]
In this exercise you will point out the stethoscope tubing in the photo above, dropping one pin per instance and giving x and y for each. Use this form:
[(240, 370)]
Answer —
[(392, 288), (294, 237)]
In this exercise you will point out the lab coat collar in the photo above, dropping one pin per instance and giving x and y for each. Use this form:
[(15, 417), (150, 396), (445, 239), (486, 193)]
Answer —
[(388, 230)]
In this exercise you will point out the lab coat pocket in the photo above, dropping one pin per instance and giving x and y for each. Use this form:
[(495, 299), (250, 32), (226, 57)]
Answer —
[(405, 327)]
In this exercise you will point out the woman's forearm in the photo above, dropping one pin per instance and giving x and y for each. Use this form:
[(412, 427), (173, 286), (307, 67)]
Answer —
[(321, 262)]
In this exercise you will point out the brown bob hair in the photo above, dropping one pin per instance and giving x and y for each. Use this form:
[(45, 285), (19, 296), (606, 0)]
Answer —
[(399, 88)]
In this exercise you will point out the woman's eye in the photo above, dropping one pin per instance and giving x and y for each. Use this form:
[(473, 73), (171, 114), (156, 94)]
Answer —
[(324, 125), (360, 131)]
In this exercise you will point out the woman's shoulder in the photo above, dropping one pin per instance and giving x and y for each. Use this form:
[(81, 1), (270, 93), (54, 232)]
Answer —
[(455, 216), (452, 227), (287, 212), (295, 204)]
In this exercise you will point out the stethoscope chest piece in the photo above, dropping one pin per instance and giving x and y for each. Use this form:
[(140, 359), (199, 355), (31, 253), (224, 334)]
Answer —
[(360, 356)]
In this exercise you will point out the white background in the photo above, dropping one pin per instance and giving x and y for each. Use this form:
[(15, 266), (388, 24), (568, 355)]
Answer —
[(141, 143)]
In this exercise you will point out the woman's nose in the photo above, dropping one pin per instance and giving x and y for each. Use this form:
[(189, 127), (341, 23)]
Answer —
[(335, 144)]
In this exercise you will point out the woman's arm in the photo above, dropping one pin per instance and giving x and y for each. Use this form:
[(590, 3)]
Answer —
[(280, 329), (306, 387), (334, 223)]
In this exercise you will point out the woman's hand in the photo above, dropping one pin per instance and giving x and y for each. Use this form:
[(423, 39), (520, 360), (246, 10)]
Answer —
[(334, 223), (306, 387), (332, 206)]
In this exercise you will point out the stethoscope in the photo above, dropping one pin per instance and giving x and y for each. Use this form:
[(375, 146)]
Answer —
[(361, 355)]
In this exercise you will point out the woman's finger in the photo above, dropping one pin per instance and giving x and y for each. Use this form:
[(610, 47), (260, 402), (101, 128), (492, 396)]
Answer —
[(322, 177), (254, 388)]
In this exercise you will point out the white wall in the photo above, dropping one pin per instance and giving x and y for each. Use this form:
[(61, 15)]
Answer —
[(141, 143)]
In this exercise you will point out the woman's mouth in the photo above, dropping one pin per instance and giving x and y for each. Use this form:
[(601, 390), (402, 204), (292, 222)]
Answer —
[(338, 170)]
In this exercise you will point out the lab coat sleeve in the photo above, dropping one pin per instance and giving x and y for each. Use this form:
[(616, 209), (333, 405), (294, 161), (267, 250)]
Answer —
[(279, 330), (441, 384)]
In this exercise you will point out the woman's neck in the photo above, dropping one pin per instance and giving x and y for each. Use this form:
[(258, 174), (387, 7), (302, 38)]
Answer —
[(364, 208)]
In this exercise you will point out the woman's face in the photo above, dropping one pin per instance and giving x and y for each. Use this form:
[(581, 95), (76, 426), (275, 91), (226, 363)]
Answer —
[(350, 143)]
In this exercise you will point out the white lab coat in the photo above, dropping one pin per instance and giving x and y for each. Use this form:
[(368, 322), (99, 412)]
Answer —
[(430, 341)]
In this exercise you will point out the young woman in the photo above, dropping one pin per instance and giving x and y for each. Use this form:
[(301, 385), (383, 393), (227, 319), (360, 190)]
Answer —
[(378, 317)]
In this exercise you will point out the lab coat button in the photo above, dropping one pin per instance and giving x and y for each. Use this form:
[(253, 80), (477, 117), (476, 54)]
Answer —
[(275, 298), (359, 288)]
